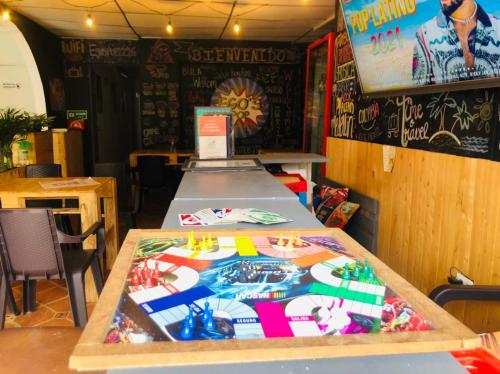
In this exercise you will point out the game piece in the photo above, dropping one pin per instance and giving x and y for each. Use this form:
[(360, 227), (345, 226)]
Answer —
[(298, 240), (136, 279), (346, 274), (145, 273), (210, 243), (371, 275), (203, 244), (355, 272), (209, 324), (365, 268), (149, 282), (186, 331), (281, 242), (156, 272), (205, 312), (289, 245), (191, 320)]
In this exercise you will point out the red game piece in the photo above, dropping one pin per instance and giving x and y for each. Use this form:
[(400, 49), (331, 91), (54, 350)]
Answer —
[(156, 272), (150, 282)]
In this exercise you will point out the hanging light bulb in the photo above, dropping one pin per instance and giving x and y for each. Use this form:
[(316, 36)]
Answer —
[(5, 15), (170, 28), (89, 21), (236, 27)]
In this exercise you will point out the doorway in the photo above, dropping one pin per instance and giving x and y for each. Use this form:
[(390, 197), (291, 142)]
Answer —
[(115, 119)]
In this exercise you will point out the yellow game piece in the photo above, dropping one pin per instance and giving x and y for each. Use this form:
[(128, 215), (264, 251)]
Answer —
[(281, 241), (290, 242), (210, 242), (298, 240), (203, 244)]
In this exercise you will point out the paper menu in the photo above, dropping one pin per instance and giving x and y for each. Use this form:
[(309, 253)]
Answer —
[(213, 132)]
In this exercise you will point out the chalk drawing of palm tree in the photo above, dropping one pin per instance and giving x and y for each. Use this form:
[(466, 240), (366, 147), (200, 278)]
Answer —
[(438, 106), (463, 117)]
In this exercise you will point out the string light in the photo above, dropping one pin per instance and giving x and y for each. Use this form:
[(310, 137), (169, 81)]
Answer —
[(5, 15), (170, 28), (89, 21), (236, 27)]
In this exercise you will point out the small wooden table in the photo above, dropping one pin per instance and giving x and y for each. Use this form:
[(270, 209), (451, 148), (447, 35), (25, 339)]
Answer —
[(172, 156), (15, 191)]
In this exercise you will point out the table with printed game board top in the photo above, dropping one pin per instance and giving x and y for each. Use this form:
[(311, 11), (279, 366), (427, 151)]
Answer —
[(179, 298)]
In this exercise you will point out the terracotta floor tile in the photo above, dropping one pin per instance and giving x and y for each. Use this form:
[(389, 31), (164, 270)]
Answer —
[(41, 314), (56, 322), (61, 305), (55, 293)]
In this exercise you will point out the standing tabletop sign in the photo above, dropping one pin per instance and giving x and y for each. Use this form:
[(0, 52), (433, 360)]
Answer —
[(214, 138), (216, 297)]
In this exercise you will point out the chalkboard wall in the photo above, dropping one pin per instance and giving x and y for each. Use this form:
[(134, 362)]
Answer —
[(461, 123), (262, 82)]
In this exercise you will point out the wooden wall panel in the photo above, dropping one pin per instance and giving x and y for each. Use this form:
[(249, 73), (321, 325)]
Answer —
[(436, 211)]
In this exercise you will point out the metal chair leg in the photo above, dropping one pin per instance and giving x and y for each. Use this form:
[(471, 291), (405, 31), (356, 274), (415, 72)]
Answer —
[(11, 301), (29, 296), (96, 272)]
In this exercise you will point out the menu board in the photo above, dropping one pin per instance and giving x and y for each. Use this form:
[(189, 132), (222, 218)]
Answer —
[(412, 43)]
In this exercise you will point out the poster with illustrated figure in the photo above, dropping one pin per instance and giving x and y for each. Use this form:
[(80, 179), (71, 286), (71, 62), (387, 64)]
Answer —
[(400, 44)]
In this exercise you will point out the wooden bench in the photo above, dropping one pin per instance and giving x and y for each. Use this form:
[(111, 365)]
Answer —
[(363, 226)]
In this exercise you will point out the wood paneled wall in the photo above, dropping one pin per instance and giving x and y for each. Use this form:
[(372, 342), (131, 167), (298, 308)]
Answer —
[(436, 211)]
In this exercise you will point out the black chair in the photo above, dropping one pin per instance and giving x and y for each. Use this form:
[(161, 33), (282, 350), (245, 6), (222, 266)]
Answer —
[(43, 171), (50, 171), (30, 249), (457, 292), (152, 174), (128, 193)]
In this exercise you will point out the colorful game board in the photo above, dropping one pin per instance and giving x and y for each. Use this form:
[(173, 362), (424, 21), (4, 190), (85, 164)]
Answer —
[(254, 287)]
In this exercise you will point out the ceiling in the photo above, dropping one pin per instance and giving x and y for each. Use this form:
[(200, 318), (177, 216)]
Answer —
[(269, 20)]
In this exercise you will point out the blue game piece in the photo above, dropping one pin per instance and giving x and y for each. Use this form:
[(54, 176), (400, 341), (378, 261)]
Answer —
[(186, 331), (191, 320), (355, 272), (346, 274), (205, 312), (209, 324)]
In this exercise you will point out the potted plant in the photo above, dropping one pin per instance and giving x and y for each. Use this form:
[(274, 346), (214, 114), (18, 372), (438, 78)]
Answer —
[(15, 125)]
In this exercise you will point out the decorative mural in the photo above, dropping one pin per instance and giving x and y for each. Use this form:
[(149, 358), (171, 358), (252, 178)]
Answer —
[(464, 123)]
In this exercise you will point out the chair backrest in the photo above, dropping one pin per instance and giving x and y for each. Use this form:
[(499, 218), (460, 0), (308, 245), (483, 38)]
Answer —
[(43, 170), (29, 247), (151, 171)]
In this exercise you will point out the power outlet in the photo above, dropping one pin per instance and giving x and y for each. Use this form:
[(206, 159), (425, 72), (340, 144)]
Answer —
[(465, 280)]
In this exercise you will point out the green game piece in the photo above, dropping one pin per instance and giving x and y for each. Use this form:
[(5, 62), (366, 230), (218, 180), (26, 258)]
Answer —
[(355, 272), (346, 274), (365, 268), (371, 276)]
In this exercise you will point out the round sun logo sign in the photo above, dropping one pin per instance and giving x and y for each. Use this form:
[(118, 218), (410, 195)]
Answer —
[(248, 103)]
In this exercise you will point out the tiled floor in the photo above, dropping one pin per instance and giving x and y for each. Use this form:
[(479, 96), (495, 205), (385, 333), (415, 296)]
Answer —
[(53, 308)]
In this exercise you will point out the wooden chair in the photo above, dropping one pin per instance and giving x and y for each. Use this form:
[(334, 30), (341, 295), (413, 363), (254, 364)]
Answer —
[(30, 249)]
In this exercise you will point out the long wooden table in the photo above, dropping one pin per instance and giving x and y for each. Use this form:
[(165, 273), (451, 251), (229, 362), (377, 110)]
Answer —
[(93, 353), (15, 191), (173, 157)]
